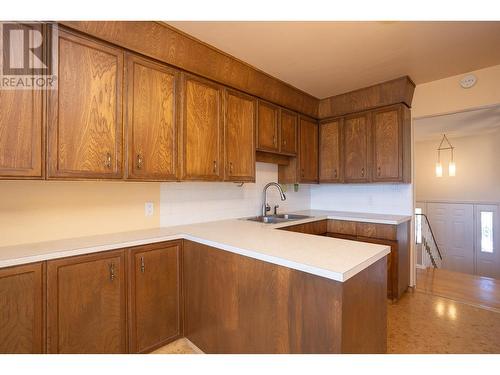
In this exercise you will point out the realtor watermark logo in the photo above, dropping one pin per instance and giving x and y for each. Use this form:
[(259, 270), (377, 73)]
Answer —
[(28, 59)]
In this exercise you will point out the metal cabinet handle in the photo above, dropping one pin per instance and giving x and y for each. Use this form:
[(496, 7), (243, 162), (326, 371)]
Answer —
[(378, 171), (362, 172), (111, 271), (302, 172), (143, 266), (230, 167), (215, 166), (107, 163), (140, 161)]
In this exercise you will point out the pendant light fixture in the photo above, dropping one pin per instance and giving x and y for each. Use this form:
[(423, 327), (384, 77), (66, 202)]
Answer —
[(452, 168)]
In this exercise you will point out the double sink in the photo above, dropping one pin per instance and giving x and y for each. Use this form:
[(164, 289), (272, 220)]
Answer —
[(275, 219)]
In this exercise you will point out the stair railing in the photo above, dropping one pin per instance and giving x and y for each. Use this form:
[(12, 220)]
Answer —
[(431, 254)]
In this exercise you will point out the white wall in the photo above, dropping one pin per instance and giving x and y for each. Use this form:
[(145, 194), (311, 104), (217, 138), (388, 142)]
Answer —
[(477, 177), (194, 202), (374, 198)]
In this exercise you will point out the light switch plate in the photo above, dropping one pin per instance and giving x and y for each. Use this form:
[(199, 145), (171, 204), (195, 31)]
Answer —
[(148, 209)]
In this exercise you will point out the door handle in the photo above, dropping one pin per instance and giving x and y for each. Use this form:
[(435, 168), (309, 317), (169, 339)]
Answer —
[(143, 266), (140, 161), (111, 271), (107, 163)]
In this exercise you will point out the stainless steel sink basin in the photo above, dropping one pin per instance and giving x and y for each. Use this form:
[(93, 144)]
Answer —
[(290, 217), (275, 219)]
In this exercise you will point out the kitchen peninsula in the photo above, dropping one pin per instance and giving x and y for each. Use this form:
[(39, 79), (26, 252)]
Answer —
[(268, 291)]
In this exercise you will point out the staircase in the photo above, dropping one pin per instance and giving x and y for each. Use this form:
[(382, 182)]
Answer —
[(431, 255)]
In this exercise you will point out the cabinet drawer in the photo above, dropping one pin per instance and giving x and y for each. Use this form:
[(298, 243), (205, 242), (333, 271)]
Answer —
[(342, 227), (373, 230)]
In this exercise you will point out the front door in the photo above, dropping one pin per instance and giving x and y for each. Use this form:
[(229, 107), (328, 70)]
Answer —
[(453, 226)]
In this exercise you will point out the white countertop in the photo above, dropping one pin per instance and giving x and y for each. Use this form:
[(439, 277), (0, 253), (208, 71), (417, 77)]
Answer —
[(357, 216), (333, 258)]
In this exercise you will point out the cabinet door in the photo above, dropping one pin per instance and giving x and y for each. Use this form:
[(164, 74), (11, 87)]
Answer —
[(85, 113), (202, 130), (267, 127), (330, 166), (308, 151), (288, 131), (154, 302), (239, 137), (151, 120), (22, 128), (21, 309), (356, 142), (86, 304), (387, 145)]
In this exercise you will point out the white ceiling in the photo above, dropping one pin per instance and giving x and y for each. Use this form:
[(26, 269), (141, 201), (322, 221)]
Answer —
[(462, 124), (329, 58)]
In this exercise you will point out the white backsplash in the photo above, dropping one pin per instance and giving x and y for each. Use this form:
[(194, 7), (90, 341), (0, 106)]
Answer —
[(394, 199), (195, 202)]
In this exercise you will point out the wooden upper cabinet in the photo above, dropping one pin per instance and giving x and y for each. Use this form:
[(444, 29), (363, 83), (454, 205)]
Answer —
[(21, 309), (202, 130), (288, 132), (85, 113), (87, 304), (21, 134), (154, 296), (308, 151), (267, 127), (330, 151), (387, 136), (22, 131), (151, 120), (239, 137), (356, 135)]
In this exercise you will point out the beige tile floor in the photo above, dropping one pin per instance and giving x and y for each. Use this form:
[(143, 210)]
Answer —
[(181, 346), (421, 322), (424, 323)]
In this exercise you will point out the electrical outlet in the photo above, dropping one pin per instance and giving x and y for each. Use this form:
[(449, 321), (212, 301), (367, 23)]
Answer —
[(148, 209)]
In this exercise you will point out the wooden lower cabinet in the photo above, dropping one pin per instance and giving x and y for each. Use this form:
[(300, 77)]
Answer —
[(154, 296), (22, 302), (86, 304), (236, 304), (395, 236)]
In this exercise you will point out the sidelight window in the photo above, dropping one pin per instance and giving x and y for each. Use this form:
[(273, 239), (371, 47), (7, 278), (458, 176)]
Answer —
[(418, 225), (486, 231)]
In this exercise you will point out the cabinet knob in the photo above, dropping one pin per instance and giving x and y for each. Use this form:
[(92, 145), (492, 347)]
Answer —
[(284, 142), (378, 171), (111, 271), (143, 267), (274, 140), (362, 172), (230, 167), (302, 172), (108, 163), (140, 161), (215, 166), (335, 173)]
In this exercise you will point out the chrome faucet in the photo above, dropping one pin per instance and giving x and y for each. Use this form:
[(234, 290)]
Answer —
[(265, 206)]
